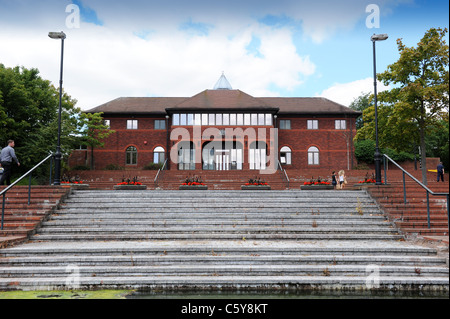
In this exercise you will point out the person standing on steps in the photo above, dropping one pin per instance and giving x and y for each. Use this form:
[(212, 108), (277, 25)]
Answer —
[(440, 172), (342, 180), (333, 179), (7, 156)]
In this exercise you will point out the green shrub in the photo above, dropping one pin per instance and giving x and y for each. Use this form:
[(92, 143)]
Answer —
[(153, 166), (364, 151)]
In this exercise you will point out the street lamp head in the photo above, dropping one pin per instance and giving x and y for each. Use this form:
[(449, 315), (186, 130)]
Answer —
[(57, 35), (379, 37)]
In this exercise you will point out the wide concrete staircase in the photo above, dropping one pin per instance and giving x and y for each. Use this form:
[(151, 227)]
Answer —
[(217, 240)]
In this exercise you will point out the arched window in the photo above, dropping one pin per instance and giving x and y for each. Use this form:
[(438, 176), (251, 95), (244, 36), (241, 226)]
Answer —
[(131, 155), (313, 156), (158, 155), (285, 155)]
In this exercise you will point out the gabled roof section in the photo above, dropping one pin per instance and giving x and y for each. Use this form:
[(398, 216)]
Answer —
[(137, 105), (223, 100), (309, 105), (223, 84)]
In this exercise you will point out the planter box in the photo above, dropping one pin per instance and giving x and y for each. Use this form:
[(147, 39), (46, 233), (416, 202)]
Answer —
[(130, 187), (255, 187), (316, 187), (193, 187)]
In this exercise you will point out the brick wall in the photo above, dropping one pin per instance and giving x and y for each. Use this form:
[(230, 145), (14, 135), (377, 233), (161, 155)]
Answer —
[(334, 153)]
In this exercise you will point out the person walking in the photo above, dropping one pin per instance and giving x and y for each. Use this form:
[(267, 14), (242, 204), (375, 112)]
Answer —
[(7, 156), (440, 172), (342, 178), (333, 179)]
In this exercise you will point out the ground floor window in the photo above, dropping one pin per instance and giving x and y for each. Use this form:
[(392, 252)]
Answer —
[(158, 155), (186, 156), (313, 156), (285, 155), (222, 156), (131, 155), (257, 155)]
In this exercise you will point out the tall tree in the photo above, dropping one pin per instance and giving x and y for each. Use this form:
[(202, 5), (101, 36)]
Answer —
[(29, 115), (420, 77), (361, 103)]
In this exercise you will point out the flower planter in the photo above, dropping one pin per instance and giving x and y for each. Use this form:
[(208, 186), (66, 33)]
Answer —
[(130, 187), (255, 187), (192, 187), (316, 187)]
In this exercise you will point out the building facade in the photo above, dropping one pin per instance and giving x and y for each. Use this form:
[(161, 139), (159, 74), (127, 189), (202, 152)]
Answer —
[(225, 129)]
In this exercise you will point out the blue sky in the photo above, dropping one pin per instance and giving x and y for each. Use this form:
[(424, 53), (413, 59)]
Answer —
[(180, 48)]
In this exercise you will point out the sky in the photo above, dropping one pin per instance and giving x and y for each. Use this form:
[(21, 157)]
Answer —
[(178, 48)]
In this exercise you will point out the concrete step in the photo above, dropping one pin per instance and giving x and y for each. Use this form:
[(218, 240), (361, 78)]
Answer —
[(224, 270), (230, 282)]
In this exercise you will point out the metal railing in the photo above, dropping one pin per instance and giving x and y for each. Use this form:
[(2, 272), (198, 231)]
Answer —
[(29, 173), (160, 173), (284, 175), (387, 158)]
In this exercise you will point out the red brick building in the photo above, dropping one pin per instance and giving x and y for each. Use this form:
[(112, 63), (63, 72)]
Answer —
[(225, 129)]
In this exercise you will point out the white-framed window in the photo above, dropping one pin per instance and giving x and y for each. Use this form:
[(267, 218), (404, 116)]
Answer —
[(340, 124), (313, 124), (132, 124), (131, 155), (286, 155), (107, 123), (158, 155), (313, 156)]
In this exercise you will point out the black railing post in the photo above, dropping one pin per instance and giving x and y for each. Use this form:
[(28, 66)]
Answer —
[(404, 189), (29, 189), (428, 210), (3, 209)]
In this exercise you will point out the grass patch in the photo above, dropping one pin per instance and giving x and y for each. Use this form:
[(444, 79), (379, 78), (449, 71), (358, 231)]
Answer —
[(73, 294)]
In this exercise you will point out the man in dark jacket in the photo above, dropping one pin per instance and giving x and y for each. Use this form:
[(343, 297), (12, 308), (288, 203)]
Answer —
[(440, 171), (7, 156)]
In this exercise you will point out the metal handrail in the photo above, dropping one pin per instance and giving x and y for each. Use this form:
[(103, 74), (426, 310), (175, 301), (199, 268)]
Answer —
[(284, 174), (3, 192), (159, 172), (429, 191)]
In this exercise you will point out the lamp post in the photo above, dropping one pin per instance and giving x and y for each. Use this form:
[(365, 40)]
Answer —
[(374, 38), (59, 36)]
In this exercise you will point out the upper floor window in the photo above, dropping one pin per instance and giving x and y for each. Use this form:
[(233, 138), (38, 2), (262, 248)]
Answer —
[(340, 124), (132, 124), (223, 119), (107, 123), (313, 124), (285, 124), (160, 125)]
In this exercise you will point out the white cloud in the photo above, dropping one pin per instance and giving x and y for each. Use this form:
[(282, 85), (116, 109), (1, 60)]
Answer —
[(346, 93)]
